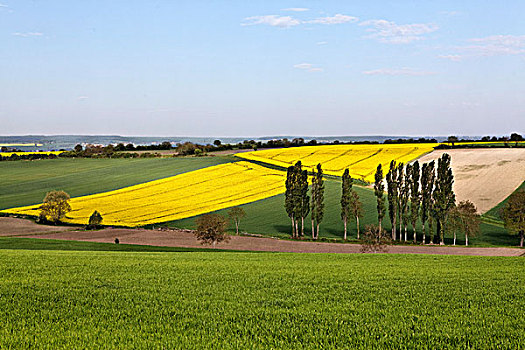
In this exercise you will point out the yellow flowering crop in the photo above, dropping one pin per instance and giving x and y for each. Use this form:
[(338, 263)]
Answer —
[(361, 160), (177, 197), (8, 154)]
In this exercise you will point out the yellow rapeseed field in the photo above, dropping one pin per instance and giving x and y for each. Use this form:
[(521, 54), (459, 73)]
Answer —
[(176, 197), (8, 154), (361, 160)]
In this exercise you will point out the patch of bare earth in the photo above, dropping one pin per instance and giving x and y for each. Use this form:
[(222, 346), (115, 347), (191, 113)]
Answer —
[(16, 227), (484, 176), (182, 238)]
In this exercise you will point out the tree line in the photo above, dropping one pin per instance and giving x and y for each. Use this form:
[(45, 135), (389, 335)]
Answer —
[(414, 196)]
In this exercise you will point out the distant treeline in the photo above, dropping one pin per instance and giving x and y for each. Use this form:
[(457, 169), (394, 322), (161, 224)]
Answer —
[(188, 148)]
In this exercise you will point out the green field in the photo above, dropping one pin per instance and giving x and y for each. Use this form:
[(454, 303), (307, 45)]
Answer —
[(494, 213), (27, 182), (268, 217), (68, 299)]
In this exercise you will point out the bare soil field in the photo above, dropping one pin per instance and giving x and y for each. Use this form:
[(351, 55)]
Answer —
[(17, 227), (484, 176), (179, 238)]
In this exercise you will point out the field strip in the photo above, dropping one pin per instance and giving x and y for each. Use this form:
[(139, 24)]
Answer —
[(361, 159), (177, 197)]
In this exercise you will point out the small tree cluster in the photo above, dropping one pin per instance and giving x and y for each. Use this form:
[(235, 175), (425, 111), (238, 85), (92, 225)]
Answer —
[(211, 229), (55, 206), (297, 201)]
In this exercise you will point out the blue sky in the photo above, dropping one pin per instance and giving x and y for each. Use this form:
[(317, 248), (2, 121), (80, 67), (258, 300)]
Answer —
[(254, 68)]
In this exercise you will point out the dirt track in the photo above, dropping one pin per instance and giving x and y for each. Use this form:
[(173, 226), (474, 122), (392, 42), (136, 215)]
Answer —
[(186, 239), (484, 176)]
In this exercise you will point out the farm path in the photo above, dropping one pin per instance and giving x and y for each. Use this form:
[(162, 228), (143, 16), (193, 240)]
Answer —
[(186, 239), (484, 176)]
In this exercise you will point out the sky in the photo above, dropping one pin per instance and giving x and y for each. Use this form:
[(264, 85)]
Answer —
[(260, 67)]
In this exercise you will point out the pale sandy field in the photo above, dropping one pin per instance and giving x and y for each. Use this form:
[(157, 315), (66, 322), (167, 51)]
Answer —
[(484, 176)]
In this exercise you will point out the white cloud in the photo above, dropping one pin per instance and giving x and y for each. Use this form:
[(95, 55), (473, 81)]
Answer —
[(497, 45), (3, 5), (296, 9), (28, 34), (272, 20), (321, 42), (390, 32), (337, 19), (450, 13), (81, 98), (494, 45), (455, 58), (308, 67), (288, 21), (400, 71)]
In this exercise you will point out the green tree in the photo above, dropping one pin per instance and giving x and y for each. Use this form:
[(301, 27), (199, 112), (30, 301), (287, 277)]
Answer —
[(303, 199), (404, 196), (211, 229), (443, 196), (452, 140), (513, 214), (289, 196), (236, 214), (464, 218), (55, 206), (379, 189), (345, 199), (94, 220), (415, 197), (427, 187), (317, 200), (399, 196), (356, 208), (391, 181)]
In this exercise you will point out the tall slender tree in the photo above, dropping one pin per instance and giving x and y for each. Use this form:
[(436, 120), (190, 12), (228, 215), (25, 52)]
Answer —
[(346, 199), (356, 208), (303, 199), (405, 196), (391, 181), (289, 197), (313, 203), (415, 197), (427, 187), (379, 189), (444, 197), (399, 196), (319, 199)]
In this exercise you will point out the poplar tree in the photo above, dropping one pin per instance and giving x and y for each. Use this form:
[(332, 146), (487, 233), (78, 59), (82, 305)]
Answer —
[(356, 208), (346, 199), (289, 198), (427, 187), (391, 181), (303, 200), (318, 214), (313, 205), (415, 197), (405, 195), (443, 196), (379, 189), (399, 196)]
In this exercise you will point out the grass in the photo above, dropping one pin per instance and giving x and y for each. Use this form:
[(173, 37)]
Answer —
[(494, 213), (27, 182), (74, 300), (268, 217)]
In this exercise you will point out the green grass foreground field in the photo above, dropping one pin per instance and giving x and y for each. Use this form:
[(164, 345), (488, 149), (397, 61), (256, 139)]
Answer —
[(27, 182), (65, 299)]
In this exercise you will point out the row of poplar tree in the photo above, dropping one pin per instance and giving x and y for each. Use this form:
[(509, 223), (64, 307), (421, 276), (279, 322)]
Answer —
[(414, 193), (298, 202), (418, 193)]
